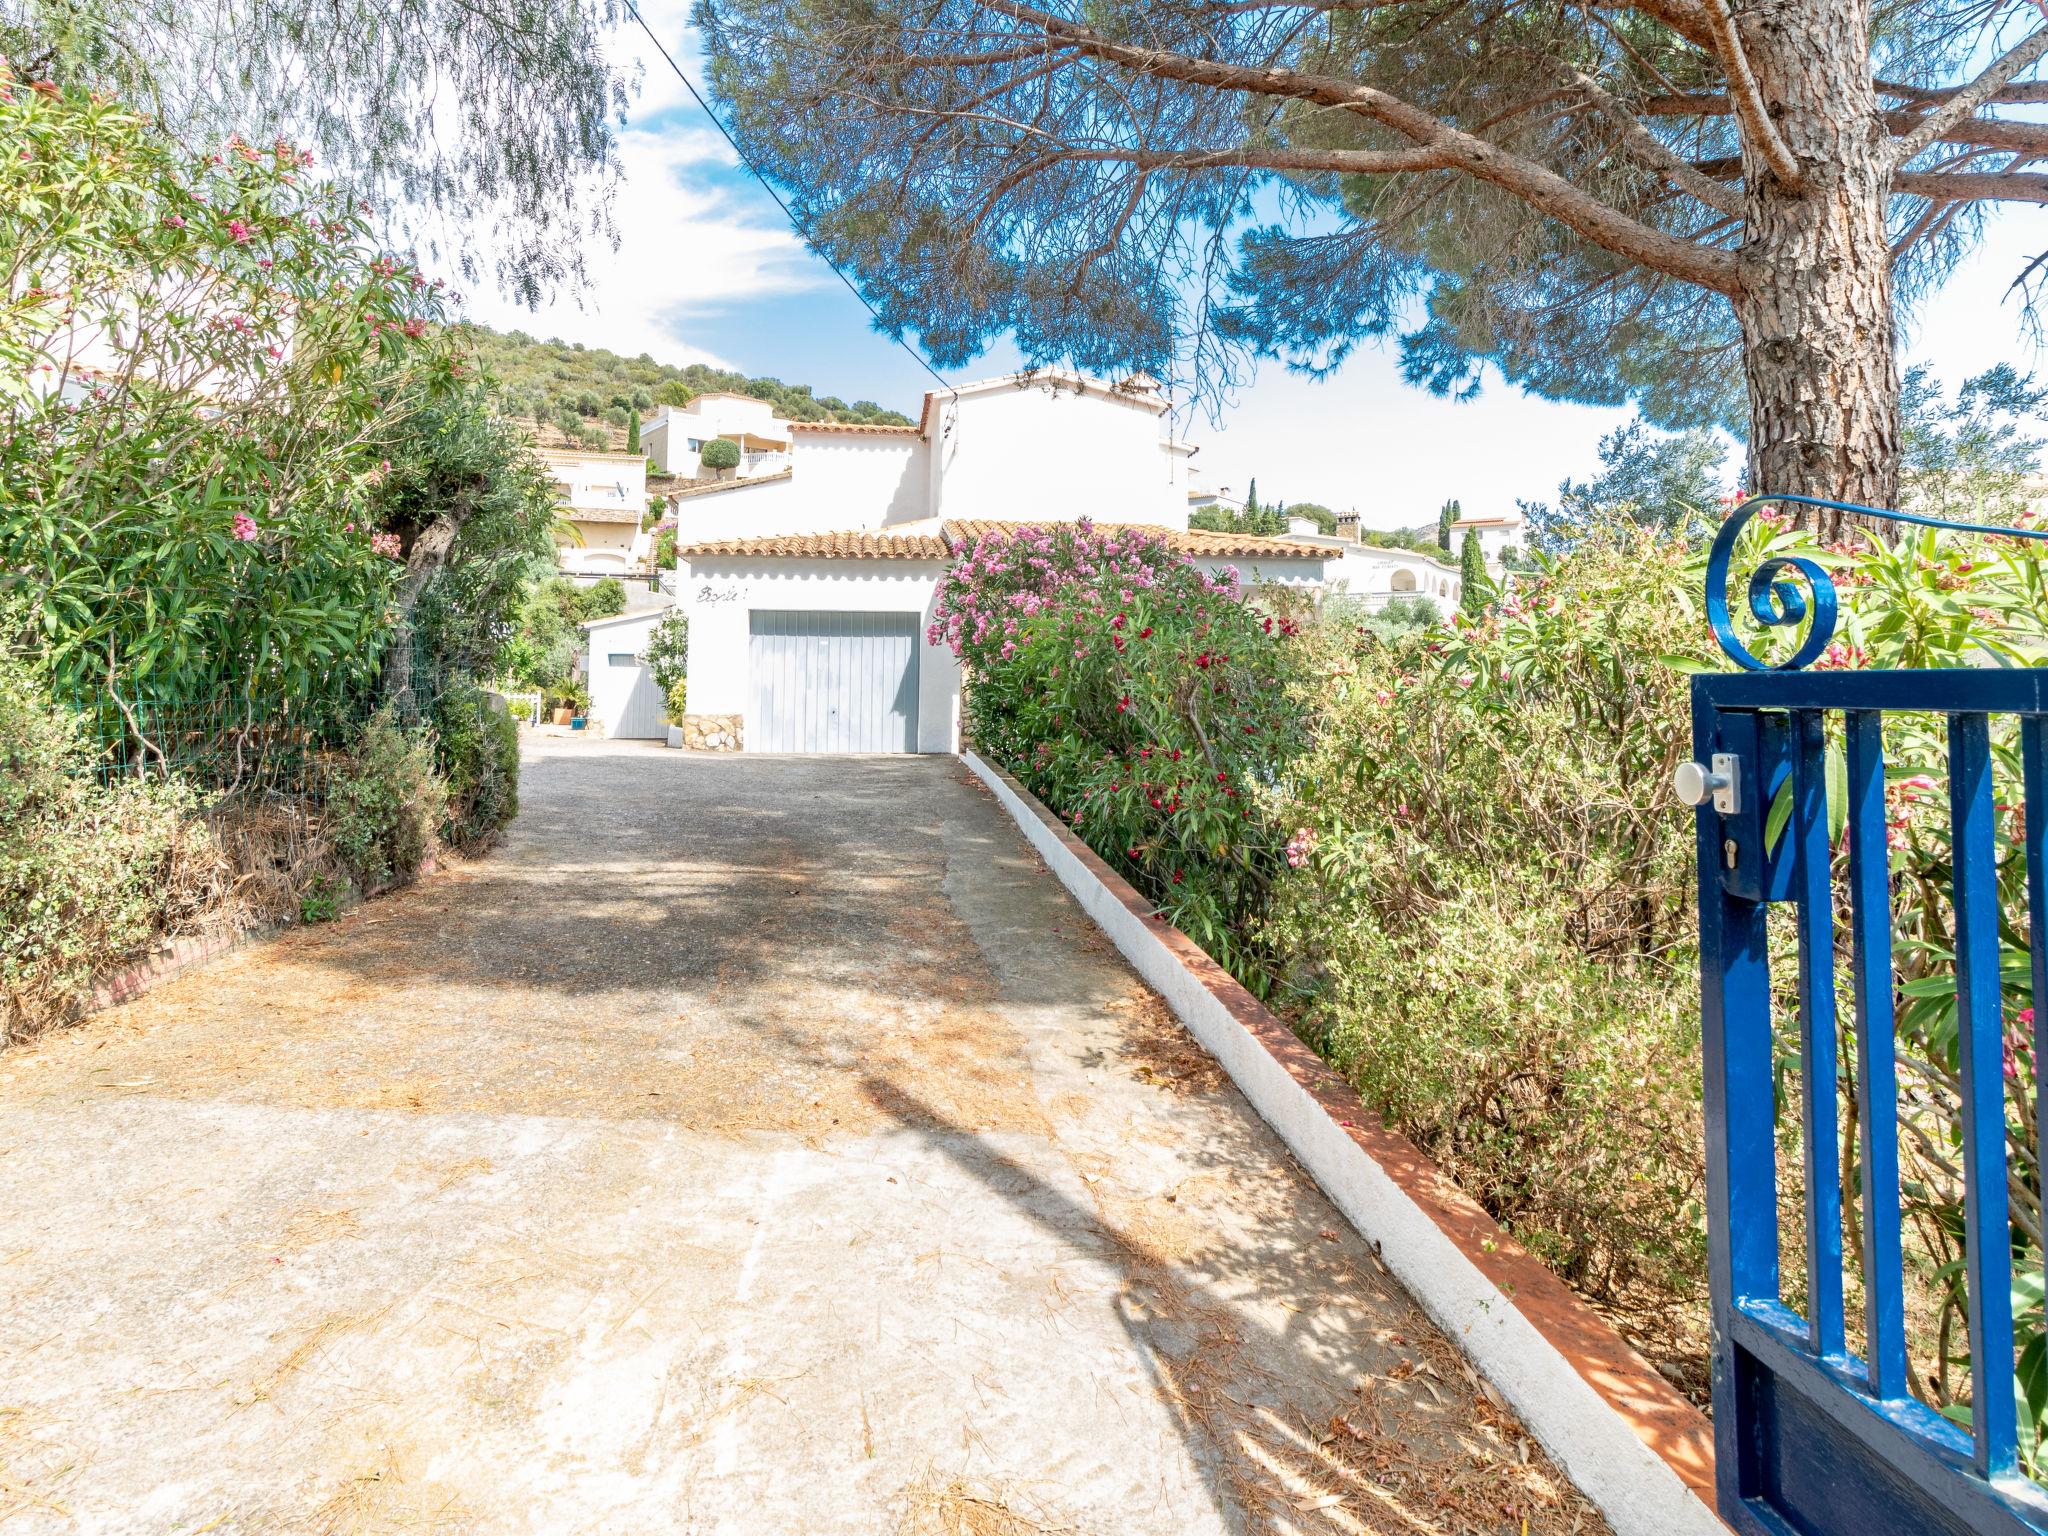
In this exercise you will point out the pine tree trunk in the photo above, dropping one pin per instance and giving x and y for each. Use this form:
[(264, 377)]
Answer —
[(1815, 306)]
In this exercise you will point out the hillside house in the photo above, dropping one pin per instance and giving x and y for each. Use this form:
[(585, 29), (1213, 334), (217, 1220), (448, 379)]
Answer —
[(603, 498), (809, 590), (675, 439)]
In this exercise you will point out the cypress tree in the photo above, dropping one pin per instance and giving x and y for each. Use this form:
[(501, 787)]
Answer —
[(1472, 574), (1444, 519), (633, 432)]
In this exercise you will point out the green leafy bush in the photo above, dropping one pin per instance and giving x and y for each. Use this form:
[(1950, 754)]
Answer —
[(1143, 700), (476, 753), (186, 279), (1490, 916), (668, 649), (384, 802), (90, 874), (719, 455)]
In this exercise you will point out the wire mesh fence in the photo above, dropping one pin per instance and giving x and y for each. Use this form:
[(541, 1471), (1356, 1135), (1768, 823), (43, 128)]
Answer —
[(255, 738)]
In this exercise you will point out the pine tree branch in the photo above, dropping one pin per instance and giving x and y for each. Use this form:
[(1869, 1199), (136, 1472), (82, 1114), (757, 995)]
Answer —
[(1653, 151), (1984, 132), (1970, 97), (1536, 185), (1748, 98)]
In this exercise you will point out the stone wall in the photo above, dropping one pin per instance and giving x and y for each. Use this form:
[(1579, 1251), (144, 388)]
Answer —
[(712, 733)]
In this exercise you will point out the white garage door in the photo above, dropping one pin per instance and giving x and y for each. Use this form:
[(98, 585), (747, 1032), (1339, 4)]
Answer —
[(833, 682)]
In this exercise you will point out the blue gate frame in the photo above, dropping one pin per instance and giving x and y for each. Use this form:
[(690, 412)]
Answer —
[(1809, 1437)]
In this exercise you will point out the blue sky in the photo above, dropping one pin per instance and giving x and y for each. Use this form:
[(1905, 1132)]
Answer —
[(708, 269)]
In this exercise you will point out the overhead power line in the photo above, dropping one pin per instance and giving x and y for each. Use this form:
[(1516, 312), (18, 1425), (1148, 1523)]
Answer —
[(768, 186)]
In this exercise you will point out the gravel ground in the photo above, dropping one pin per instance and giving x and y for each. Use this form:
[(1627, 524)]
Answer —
[(752, 1145)]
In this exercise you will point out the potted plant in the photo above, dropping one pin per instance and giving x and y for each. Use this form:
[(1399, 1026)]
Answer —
[(673, 710), (568, 701)]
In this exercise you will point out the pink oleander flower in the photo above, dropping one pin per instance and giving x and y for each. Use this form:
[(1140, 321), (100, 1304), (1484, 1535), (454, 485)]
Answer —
[(1299, 846), (239, 231), (385, 544), (245, 527)]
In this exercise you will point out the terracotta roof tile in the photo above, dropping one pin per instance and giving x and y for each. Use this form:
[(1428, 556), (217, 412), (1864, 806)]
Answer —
[(871, 428), (601, 514), (928, 540), (862, 545), (716, 486), (1186, 541)]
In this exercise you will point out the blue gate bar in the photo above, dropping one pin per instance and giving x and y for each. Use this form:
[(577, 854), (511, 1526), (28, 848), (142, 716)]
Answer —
[(2034, 781), (1818, 1068), (1980, 1048), (1810, 1438), (1877, 1080)]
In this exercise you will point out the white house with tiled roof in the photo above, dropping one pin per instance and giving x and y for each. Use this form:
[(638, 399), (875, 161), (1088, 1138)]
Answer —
[(602, 497), (675, 439), (809, 590), (1498, 533)]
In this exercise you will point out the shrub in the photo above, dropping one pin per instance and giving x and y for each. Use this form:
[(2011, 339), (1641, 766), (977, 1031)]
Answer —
[(1490, 924), (89, 873), (1145, 702), (384, 802), (668, 649), (183, 276), (476, 753), (676, 702), (719, 455), (602, 599)]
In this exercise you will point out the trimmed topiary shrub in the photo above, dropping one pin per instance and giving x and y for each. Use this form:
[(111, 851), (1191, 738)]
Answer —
[(720, 454)]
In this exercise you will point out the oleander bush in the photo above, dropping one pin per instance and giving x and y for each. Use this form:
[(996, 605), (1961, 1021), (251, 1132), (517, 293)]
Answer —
[(1453, 861), (1148, 703)]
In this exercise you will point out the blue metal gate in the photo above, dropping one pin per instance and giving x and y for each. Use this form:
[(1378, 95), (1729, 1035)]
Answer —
[(1811, 1437)]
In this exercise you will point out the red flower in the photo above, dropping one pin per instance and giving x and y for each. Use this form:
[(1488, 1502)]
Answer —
[(1176, 877), (1145, 633), (1123, 704)]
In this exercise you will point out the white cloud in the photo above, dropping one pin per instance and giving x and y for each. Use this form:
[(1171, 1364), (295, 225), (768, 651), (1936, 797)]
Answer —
[(687, 241)]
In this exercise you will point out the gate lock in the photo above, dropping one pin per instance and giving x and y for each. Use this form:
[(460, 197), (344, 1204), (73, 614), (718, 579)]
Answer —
[(1722, 780)]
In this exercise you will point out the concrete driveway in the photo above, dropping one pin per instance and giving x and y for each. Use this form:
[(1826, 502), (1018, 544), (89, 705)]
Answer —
[(748, 1145)]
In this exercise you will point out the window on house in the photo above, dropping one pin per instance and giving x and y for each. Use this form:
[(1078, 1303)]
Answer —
[(623, 659), (1404, 581)]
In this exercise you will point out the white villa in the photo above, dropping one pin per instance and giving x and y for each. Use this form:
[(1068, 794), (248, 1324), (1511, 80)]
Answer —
[(603, 496), (1498, 533), (809, 589), (675, 439)]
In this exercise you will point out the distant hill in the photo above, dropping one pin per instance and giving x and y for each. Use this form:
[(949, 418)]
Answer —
[(582, 396)]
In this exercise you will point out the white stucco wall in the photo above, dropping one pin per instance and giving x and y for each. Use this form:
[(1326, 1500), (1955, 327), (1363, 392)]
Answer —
[(605, 546), (876, 479), (1044, 451), (1369, 573), (598, 479), (718, 595), (1279, 573), (838, 482)]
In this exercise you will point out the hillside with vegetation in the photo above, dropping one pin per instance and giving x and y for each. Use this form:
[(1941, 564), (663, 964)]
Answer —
[(587, 396)]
